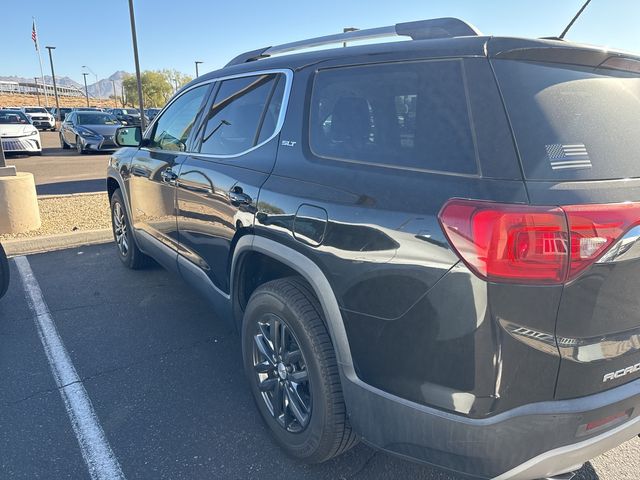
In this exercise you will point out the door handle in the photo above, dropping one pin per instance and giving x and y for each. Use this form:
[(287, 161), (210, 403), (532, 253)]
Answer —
[(169, 176), (238, 197)]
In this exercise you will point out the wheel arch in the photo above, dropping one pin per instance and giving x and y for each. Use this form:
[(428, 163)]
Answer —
[(292, 262)]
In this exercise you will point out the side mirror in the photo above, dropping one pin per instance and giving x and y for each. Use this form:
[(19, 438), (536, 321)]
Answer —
[(129, 136)]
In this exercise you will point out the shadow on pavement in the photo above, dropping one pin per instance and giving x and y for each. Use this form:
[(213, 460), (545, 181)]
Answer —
[(76, 186), (587, 472)]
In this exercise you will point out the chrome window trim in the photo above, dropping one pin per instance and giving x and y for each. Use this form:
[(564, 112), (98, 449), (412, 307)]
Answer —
[(281, 117)]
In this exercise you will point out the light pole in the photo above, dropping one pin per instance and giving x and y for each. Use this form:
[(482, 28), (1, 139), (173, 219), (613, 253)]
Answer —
[(197, 62), (134, 39), (55, 88), (115, 94), (348, 29), (35, 79), (86, 91)]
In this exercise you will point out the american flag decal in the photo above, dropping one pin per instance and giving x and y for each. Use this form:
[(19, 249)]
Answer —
[(563, 156)]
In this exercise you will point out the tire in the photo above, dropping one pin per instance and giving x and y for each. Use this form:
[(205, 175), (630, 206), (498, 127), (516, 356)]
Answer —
[(64, 144), (128, 251), (319, 430), (80, 149), (4, 273)]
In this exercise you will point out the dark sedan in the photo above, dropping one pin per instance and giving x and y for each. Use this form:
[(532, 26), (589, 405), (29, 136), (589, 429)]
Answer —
[(89, 131), (128, 116)]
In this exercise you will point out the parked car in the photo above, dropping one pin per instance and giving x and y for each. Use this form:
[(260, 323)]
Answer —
[(431, 245), (5, 273), (18, 134), (88, 109), (89, 131), (150, 113), (63, 112), (128, 116), (40, 117)]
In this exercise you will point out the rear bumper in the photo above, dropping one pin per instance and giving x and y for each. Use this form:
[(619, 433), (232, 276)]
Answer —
[(529, 442)]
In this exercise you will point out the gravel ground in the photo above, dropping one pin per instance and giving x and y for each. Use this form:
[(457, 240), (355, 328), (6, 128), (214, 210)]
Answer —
[(69, 213)]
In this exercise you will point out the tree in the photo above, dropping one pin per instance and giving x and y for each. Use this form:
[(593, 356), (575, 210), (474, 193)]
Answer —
[(157, 87)]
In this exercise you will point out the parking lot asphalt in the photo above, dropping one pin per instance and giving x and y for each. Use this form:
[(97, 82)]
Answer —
[(165, 380), (60, 171)]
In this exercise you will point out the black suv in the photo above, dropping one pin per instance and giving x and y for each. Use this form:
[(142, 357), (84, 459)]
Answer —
[(428, 245)]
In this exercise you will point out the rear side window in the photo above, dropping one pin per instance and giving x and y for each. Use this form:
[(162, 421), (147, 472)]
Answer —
[(571, 122), (244, 113), (408, 115)]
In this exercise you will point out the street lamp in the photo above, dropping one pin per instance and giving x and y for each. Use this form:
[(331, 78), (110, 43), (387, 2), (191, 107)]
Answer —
[(197, 63), (134, 39), (115, 94), (348, 29), (55, 88), (86, 91)]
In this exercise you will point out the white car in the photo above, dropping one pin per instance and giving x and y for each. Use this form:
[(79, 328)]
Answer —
[(17, 134), (40, 117)]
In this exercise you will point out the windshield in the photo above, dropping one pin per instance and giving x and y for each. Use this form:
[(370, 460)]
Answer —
[(130, 111), (96, 119), (35, 110), (572, 122), (12, 117)]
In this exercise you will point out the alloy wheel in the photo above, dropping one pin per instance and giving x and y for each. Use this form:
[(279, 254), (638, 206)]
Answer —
[(281, 373), (120, 229)]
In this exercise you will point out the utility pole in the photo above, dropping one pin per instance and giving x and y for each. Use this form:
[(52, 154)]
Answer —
[(86, 91), (55, 88), (115, 93), (134, 39), (35, 79), (197, 63)]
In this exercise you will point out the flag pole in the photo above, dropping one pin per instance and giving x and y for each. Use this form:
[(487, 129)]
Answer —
[(37, 42)]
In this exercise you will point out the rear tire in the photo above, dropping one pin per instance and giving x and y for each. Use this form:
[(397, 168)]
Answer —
[(294, 380), (4, 272), (128, 251)]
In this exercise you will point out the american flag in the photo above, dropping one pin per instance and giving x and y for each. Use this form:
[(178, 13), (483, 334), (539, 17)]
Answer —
[(563, 156), (34, 35)]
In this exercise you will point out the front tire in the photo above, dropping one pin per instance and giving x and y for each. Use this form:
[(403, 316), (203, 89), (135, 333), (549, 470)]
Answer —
[(4, 272), (80, 146), (293, 373), (128, 251), (63, 144)]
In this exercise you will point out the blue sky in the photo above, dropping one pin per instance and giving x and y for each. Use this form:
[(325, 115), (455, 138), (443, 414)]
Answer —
[(174, 33)]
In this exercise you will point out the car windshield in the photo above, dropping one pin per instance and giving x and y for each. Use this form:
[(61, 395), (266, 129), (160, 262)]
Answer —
[(35, 110), (12, 117), (96, 119)]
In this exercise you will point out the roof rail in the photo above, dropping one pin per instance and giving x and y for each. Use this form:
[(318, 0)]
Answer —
[(421, 30)]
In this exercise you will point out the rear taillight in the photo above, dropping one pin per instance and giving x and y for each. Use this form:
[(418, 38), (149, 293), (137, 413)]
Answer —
[(531, 244)]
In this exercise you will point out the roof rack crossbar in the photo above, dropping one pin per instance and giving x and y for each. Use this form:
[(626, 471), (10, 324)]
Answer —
[(421, 30)]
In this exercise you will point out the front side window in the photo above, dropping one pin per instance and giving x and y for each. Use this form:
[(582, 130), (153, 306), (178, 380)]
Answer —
[(172, 129), (408, 115), (244, 113)]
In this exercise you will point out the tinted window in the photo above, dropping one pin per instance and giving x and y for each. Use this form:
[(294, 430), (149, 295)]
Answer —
[(237, 120), (411, 115), (172, 129), (572, 122)]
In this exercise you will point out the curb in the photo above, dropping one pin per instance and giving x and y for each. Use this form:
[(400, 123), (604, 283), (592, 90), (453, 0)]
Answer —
[(28, 246)]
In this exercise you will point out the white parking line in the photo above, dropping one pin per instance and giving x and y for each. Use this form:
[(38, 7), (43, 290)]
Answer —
[(96, 451)]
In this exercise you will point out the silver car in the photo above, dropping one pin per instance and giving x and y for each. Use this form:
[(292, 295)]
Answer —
[(89, 131)]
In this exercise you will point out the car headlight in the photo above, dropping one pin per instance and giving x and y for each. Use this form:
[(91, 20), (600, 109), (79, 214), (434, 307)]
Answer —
[(29, 131), (85, 132)]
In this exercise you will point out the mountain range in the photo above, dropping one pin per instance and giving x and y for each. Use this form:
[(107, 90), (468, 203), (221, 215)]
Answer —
[(101, 89)]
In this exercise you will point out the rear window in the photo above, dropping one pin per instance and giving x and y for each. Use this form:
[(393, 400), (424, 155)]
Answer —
[(407, 115), (573, 123)]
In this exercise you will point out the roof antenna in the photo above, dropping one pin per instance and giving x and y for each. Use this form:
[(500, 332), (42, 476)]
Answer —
[(564, 32)]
